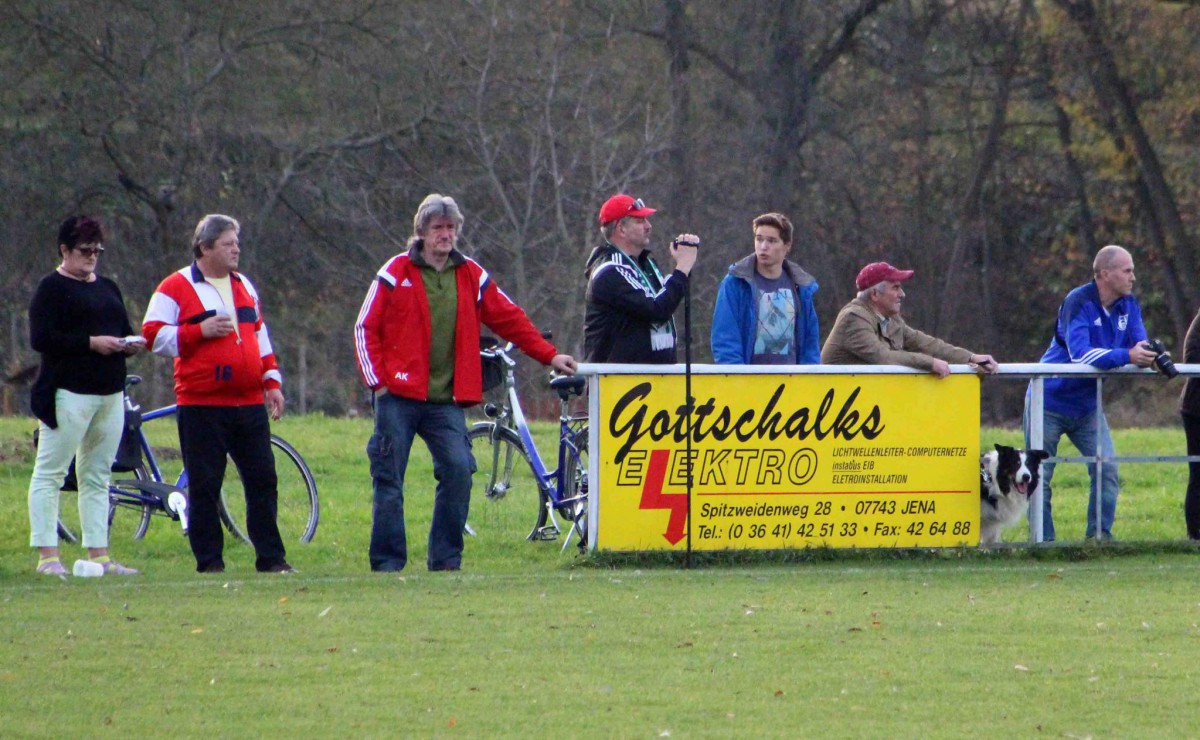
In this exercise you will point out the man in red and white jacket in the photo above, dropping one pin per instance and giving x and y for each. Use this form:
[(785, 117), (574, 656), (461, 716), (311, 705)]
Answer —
[(417, 345), (208, 318)]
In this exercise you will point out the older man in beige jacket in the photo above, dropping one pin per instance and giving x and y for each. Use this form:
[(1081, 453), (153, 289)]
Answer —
[(869, 330)]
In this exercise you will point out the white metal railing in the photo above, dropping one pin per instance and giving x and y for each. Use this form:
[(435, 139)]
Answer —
[(1036, 372)]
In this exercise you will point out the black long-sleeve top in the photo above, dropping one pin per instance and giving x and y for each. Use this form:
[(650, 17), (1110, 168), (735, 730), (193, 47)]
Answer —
[(63, 315)]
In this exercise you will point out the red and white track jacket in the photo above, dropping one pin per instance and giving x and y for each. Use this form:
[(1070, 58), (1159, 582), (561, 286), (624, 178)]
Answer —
[(232, 370), (393, 333)]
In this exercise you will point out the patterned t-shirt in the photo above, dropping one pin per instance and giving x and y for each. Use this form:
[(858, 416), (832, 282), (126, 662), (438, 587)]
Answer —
[(775, 333)]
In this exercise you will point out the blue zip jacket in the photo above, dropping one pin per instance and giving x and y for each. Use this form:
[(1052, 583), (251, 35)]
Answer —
[(735, 316), (1087, 334)]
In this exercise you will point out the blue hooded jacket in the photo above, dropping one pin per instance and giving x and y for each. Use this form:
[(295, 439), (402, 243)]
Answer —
[(735, 316)]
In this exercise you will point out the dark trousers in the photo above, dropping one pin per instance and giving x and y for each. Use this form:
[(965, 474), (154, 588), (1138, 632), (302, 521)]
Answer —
[(206, 435), (444, 429), (1191, 500)]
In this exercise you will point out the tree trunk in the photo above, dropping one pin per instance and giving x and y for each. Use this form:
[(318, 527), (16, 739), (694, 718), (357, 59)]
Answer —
[(679, 157), (970, 226), (1114, 95)]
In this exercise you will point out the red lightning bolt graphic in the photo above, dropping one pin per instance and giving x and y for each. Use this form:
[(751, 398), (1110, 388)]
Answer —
[(654, 498)]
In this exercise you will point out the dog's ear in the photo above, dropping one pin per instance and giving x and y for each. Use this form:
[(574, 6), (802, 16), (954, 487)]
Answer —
[(999, 447)]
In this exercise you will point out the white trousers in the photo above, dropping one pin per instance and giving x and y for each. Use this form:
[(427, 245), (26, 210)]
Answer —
[(89, 429)]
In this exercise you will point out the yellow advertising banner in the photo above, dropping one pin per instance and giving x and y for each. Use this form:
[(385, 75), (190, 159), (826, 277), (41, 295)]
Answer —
[(787, 461)]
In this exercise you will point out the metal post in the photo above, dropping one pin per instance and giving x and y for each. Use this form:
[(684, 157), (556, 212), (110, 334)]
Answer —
[(1097, 480), (1036, 440)]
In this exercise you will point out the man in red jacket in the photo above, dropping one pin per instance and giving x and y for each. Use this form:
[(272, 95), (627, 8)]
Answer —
[(207, 316), (417, 345)]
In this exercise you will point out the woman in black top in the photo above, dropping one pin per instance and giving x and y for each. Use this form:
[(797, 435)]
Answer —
[(78, 323)]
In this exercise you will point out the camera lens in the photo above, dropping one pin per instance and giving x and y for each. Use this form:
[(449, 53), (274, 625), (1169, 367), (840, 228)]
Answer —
[(1162, 359)]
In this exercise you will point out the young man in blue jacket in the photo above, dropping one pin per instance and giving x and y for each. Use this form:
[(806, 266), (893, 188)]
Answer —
[(1099, 324), (764, 313)]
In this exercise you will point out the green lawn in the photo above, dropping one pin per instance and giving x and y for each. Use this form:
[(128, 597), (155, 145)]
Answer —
[(1061, 641)]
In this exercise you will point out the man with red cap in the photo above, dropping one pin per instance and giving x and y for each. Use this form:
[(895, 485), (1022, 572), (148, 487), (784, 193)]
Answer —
[(869, 330), (629, 302)]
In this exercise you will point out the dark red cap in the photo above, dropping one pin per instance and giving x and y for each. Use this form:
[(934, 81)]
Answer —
[(620, 206), (880, 272)]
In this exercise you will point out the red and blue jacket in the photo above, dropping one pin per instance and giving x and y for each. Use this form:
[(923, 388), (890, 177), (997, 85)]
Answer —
[(232, 370)]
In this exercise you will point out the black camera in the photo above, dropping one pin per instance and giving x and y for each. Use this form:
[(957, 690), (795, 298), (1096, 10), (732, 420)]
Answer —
[(681, 243), (1162, 358)]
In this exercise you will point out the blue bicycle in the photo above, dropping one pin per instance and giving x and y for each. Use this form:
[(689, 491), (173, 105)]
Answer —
[(148, 492), (517, 486)]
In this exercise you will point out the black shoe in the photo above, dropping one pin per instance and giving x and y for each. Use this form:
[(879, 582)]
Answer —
[(278, 568), (212, 568)]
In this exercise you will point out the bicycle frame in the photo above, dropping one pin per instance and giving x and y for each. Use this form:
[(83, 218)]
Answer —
[(155, 493), (147, 451), (145, 489), (557, 491)]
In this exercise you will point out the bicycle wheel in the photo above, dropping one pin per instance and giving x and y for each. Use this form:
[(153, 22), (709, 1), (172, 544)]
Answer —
[(297, 511), (64, 532), (576, 508), (505, 495), (139, 522), (69, 529)]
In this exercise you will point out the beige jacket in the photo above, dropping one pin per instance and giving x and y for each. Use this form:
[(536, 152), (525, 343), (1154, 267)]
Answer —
[(858, 338)]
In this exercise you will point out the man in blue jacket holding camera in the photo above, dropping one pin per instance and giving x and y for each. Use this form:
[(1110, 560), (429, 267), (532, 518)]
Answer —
[(1099, 324)]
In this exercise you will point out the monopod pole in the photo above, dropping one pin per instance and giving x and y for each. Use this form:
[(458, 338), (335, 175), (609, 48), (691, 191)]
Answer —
[(687, 405)]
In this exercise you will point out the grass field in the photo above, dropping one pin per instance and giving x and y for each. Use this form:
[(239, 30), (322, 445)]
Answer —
[(1065, 641)]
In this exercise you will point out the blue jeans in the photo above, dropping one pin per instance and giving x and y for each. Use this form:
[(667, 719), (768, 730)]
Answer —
[(443, 426), (1082, 432)]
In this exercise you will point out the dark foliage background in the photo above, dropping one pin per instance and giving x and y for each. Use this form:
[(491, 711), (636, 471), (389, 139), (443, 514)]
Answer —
[(992, 145)]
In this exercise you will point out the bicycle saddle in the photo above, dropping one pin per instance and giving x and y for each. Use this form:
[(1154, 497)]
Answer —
[(568, 385)]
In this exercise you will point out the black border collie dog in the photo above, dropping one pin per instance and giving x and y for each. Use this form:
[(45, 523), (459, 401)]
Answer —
[(1007, 478)]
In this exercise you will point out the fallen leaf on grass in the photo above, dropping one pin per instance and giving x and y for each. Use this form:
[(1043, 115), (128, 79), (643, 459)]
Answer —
[(684, 644), (778, 692), (197, 631), (331, 650), (452, 722), (283, 599), (1054, 577), (1019, 667), (855, 629), (325, 611)]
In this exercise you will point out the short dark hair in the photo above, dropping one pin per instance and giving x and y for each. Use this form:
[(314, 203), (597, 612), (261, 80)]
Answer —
[(78, 230), (779, 221)]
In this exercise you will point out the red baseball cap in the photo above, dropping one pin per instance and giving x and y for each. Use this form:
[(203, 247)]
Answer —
[(880, 272), (620, 206)]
